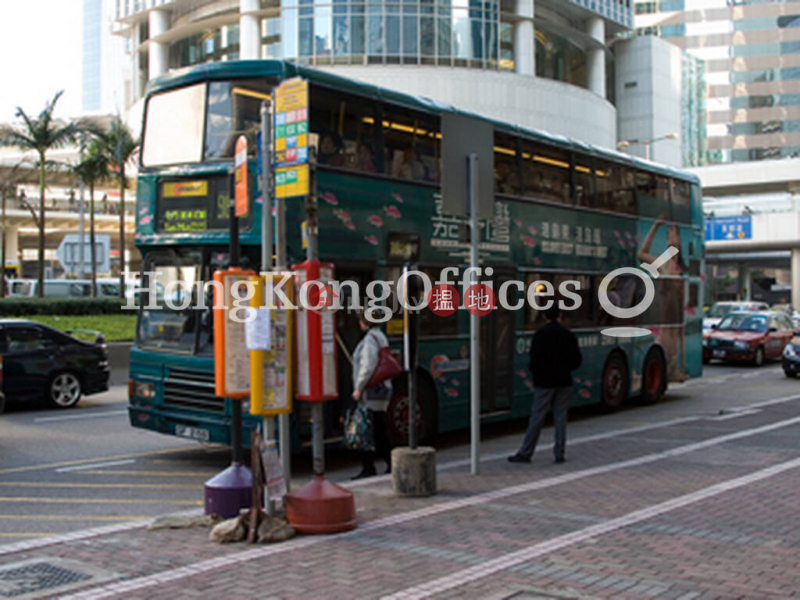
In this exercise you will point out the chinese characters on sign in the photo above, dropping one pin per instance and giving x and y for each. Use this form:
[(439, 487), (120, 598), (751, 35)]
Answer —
[(495, 234), (728, 229), (291, 138), (177, 221), (560, 238)]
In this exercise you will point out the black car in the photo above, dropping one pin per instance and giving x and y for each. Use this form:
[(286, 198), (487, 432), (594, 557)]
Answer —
[(41, 362)]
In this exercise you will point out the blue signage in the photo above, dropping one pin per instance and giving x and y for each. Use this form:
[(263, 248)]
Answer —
[(729, 229)]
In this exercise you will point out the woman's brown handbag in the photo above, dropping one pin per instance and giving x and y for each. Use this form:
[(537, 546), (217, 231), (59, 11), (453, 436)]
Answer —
[(388, 367)]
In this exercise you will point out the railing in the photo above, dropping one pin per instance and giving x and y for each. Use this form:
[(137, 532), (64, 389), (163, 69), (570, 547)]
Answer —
[(69, 205)]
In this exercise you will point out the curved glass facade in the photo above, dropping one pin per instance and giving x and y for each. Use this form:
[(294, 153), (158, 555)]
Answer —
[(382, 32), (445, 32)]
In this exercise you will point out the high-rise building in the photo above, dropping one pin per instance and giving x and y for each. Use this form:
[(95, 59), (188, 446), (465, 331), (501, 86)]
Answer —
[(103, 59), (547, 64), (751, 55)]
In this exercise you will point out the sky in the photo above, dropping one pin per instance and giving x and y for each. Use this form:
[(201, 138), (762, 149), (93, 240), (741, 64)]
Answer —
[(40, 54)]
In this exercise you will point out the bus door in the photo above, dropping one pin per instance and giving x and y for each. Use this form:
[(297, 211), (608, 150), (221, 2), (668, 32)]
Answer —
[(497, 350)]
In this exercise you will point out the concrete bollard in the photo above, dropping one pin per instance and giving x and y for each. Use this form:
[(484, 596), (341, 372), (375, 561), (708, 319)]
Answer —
[(414, 471)]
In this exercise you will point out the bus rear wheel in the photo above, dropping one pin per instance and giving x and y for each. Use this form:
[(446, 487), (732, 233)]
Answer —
[(653, 377), (615, 382), (397, 412)]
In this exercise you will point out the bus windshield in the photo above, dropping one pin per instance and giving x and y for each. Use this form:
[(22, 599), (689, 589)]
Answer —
[(202, 122), (175, 320)]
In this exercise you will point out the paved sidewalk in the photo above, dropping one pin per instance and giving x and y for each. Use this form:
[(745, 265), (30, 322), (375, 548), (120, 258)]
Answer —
[(697, 508)]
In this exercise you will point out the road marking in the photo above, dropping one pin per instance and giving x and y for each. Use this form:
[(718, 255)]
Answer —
[(236, 558), (86, 533), (74, 517), (64, 484), (117, 528), (97, 415), (25, 534), (83, 461), (460, 578), (152, 473), (112, 463), (734, 414), (97, 500)]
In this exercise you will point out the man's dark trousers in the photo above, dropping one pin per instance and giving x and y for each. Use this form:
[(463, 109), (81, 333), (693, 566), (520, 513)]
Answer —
[(543, 400)]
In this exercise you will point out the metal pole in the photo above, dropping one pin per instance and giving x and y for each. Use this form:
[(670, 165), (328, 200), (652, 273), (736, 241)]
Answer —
[(317, 410), (236, 412), (3, 247), (284, 424), (266, 241), (81, 217), (474, 325), (408, 356)]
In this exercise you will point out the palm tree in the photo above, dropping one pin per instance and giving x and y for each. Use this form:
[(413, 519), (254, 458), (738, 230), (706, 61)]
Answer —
[(120, 147), (40, 135), (91, 170)]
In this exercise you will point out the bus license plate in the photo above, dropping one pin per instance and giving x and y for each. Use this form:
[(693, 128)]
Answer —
[(193, 433), (719, 353)]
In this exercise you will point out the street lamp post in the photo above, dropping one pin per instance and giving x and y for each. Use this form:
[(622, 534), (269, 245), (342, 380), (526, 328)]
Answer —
[(646, 143)]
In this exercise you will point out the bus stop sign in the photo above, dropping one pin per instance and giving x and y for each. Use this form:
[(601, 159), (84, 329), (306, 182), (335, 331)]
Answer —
[(462, 136)]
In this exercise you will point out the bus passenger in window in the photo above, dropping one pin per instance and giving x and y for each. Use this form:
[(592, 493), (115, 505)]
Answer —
[(364, 159), (412, 167), (506, 179), (330, 151)]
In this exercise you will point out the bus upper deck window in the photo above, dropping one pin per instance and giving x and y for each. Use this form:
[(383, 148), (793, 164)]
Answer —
[(545, 173)]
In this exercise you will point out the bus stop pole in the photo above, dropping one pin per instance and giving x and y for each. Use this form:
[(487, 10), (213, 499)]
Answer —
[(233, 251), (312, 253), (284, 431), (267, 425), (474, 325)]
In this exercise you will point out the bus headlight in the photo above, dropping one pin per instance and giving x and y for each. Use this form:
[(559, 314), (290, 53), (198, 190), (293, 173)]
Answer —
[(142, 389)]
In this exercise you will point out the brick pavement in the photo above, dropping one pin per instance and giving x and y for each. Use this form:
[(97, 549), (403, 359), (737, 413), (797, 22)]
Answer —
[(742, 543)]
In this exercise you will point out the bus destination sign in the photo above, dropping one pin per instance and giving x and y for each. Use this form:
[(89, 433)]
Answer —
[(291, 138)]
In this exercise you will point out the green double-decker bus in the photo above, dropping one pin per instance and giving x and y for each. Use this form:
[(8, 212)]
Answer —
[(564, 211)]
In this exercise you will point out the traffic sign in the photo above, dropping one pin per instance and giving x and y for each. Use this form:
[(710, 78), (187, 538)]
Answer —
[(291, 123), (729, 229), (68, 252), (240, 163), (291, 181)]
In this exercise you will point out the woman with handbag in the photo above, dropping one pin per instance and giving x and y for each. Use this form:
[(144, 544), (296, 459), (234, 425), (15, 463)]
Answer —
[(372, 361)]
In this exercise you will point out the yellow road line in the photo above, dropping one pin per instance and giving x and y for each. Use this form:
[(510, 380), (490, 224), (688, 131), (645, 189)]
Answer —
[(96, 500), (158, 486), (74, 517), (84, 461), (152, 473), (27, 534)]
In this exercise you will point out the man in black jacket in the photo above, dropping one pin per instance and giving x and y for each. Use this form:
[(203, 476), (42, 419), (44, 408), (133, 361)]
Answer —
[(554, 355)]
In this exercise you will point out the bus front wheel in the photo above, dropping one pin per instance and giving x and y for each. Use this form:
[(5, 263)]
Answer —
[(615, 382), (397, 412), (654, 380)]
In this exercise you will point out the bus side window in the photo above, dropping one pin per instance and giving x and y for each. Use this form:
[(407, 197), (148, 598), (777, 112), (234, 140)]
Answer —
[(545, 173), (411, 144), (681, 201), (652, 194), (506, 165), (584, 181), (343, 126), (615, 189)]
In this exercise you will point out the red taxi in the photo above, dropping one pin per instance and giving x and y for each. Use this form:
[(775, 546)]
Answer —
[(748, 337)]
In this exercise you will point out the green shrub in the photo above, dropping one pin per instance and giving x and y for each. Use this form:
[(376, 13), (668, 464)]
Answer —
[(26, 307)]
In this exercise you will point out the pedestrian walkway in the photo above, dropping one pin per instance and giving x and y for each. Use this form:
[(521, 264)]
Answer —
[(686, 508)]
